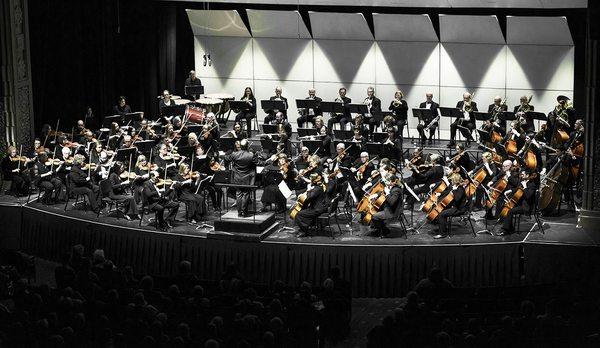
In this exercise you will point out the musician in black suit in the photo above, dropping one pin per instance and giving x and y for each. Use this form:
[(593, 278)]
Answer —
[(192, 80), (525, 204), (525, 106), (392, 146), (315, 204), (271, 113), (512, 178), (373, 107), (495, 109), (467, 122), (282, 123), (121, 108), (118, 191), (399, 108), (325, 149), (82, 183), (456, 207), (390, 208), (158, 200), (45, 179), (344, 117), (243, 173), (432, 122), (165, 101), (249, 112), (424, 178), (308, 115)]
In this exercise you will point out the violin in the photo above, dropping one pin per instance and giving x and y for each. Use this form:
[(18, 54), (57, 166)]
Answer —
[(54, 162), (149, 167), (90, 166), (128, 175), (192, 175), (216, 166), (19, 158)]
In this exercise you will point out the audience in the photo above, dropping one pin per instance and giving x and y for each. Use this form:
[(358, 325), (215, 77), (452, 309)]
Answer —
[(97, 304)]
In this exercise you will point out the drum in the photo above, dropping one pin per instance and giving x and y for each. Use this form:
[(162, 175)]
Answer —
[(225, 97), (194, 114), (210, 104)]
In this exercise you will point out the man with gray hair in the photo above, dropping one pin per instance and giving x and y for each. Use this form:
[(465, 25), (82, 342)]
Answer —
[(271, 113), (309, 114)]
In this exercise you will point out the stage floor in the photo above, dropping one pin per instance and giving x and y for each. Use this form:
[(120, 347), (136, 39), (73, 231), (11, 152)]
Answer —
[(557, 230)]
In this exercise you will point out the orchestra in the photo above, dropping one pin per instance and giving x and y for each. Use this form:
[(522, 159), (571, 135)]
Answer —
[(156, 164)]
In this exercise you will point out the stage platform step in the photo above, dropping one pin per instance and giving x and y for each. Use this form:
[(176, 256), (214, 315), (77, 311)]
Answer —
[(241, 236), (230, 222)]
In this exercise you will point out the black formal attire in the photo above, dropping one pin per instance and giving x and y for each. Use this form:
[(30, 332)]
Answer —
[(530, 124), (50, 185), (309, 115), (138, 183), (243, 173), (118, 193), (400, 113), (247, 114), (389, 214), (492, 170), (170, 166), (512, 183), (158, 202), (316, 203), (433, 106), (195, 203), (189, 82), (392, 149), (456, 207), (271, 113), (375, 109), (162, 104), (81, 184), (432, 176), (325, 149), (272, 177), (342, 118), (524, 206), (118, 110), (20, 180), (469, 124), (503, 108)]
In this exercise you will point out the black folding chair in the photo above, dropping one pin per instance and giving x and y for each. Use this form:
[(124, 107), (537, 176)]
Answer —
[(74, 191), (105, 191), (324, 220)]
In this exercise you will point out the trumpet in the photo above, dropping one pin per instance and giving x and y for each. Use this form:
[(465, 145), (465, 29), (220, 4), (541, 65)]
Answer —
[(434, 121), (339, 100), (396, 102)]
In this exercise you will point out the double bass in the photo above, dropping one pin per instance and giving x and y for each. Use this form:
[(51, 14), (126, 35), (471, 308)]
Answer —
[(552, 187)]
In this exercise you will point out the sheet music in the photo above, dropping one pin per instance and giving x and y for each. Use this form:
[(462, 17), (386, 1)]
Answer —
[(285, 190)]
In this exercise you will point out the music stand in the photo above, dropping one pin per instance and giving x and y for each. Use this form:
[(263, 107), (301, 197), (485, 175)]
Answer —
[(307, 104), (239, 105), (305, 132), (270, 105), (186, 151), (379, 115), (172, 110), (133, 117), (124, 154), (342, 134), (484, 136), (268, 145), (144, 146), (110, 119), (374, 148), (353, 149), (312, 145), (379, 137), (227, 143), (536, 116), (194, 90), (507, 116), (332, 107), (358, 109), (269, 129)]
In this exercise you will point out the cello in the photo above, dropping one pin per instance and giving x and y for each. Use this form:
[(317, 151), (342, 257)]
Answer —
[(497, 190), (552, 187), (431, 200)]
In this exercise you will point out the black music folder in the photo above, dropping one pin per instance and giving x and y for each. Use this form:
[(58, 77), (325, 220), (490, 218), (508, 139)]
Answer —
[(307, 104), (451, 112), (110, 119), (268, 105), (332, 107), (423, 114), (269, 129), (358, 109), (303, 132)]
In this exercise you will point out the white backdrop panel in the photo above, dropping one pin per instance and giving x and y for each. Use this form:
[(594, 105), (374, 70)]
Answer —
[(344, 61), (538, 31), (231, 86), (282, 24), (540, 67), (403, 27), (344, 26), (217, 23), (283, 59), (473, 65), (470, 29), (407, 63), (231, 57)]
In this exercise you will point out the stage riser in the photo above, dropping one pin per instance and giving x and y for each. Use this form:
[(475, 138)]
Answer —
[(374, 271)]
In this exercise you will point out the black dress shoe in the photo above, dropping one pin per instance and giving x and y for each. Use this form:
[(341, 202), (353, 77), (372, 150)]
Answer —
[(429, 142), (451, 144)]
